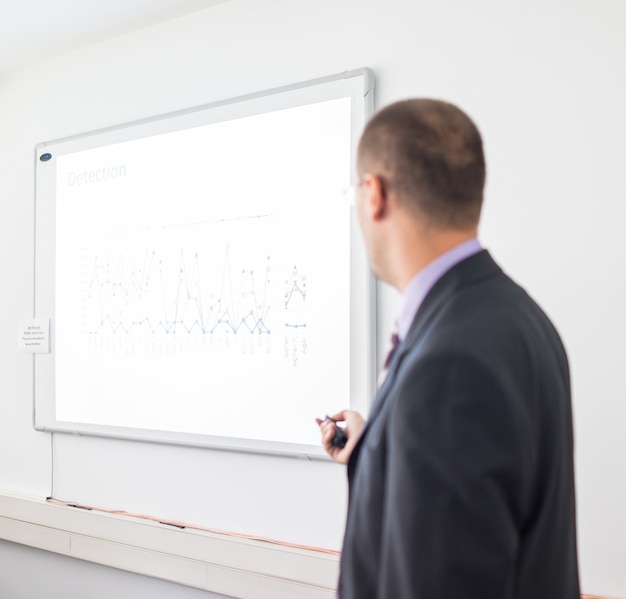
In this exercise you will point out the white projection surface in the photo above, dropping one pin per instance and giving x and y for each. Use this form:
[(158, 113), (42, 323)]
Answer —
[(207, 285)]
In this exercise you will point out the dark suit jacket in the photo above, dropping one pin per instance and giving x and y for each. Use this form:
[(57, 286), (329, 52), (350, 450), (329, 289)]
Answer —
[(462, 484)]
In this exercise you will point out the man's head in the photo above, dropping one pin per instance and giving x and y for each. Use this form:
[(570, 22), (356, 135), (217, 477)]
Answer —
[(421, 173), (430, 154)]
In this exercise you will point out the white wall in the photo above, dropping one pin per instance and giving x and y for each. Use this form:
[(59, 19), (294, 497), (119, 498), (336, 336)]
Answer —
[(35, 574), (544, 79)]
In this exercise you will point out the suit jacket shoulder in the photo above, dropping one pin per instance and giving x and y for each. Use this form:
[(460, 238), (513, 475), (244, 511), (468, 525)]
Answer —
[(452, 484)]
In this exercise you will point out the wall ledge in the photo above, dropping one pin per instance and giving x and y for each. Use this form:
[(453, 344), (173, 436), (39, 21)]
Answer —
[(237, 567)]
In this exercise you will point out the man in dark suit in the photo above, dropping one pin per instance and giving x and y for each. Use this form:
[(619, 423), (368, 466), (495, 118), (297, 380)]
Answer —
[(462, 480)]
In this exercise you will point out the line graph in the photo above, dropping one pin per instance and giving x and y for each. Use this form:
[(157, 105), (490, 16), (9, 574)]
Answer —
[(295, 298), (146, 297)]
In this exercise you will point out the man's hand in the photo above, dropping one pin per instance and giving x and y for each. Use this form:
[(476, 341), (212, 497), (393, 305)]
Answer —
[(354, 427)]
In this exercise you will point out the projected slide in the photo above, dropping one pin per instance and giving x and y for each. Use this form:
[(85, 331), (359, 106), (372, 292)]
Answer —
[(202, 277)]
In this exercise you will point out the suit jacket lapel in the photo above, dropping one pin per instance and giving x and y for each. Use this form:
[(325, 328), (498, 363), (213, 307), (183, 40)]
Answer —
[(466, 272)]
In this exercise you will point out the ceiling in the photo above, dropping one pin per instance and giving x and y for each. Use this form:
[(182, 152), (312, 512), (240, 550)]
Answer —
[(33, 29)]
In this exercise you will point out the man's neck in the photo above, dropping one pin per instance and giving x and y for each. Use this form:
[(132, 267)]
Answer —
[(425, 246)]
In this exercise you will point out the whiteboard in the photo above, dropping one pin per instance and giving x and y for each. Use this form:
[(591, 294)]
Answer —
[(202, 273)]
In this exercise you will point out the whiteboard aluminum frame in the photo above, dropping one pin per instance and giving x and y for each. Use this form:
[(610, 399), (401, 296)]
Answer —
[(359, 85)]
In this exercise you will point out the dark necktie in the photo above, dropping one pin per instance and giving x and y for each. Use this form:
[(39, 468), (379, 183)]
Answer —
[(395, 341)]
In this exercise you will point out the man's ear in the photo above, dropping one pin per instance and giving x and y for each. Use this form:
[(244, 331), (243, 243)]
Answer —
[(376, 198)]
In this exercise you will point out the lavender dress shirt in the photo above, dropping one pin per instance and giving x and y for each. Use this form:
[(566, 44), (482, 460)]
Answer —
[(423, 281)]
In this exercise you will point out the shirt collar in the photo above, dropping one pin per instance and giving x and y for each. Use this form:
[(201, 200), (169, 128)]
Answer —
[(423, 281)]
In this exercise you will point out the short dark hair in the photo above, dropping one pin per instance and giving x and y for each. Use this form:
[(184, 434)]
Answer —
[(430, 154)]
